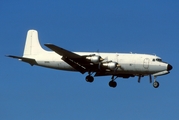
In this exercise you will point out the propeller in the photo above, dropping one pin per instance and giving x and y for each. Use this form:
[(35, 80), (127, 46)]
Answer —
[(101, 59), (105, 60)]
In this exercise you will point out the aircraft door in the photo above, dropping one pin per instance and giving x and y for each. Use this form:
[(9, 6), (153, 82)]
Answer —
[(146, 63)]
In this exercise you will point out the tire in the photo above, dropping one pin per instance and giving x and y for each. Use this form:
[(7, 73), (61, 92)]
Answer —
[(89, 78), (112, 84), (156, 84)]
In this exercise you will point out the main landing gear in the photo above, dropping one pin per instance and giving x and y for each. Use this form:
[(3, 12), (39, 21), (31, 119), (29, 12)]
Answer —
[(113, 83), (89, 78)]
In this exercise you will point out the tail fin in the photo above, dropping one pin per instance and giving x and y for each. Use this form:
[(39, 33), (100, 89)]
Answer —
[(32, 45)]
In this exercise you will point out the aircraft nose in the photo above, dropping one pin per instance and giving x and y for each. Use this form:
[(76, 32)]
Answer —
[(169, 67)]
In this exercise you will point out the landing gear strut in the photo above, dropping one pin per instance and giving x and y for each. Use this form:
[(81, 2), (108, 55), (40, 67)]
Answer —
[(112, 83)]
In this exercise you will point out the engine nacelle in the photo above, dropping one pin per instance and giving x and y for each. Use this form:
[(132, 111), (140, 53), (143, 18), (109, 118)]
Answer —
[(111, 65), (94, 59)]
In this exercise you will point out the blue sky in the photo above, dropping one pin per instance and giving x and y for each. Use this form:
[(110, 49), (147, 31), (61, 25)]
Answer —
[(36, 93)]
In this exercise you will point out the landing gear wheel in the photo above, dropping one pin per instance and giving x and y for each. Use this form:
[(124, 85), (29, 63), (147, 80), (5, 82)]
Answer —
[(156, 84), (89, 78), (112, 84)]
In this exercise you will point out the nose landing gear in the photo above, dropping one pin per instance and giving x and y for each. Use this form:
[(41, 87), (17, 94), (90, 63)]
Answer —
[(155, 83)]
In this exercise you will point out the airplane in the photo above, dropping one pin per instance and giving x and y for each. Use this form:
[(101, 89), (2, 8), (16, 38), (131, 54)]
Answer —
[(116, 65)]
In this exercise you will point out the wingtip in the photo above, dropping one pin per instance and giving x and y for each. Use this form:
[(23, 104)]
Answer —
[(48, 44), (8, 55)]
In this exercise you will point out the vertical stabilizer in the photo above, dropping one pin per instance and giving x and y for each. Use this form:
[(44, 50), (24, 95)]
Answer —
[(32, 45)]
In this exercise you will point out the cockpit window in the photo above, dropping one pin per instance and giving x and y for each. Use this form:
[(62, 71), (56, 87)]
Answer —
[(160, 60), (157, 59)]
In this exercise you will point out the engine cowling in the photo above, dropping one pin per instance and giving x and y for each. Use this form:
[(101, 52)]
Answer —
[(111, 65), (94, 59)]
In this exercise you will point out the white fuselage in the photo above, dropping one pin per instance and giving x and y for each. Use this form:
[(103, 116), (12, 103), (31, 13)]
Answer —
[(130, 63)]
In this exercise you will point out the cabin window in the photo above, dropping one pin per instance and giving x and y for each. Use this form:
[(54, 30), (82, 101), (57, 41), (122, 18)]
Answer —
[(153, 60)]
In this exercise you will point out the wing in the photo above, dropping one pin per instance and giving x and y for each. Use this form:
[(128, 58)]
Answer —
[(80, 63), (62, 51)]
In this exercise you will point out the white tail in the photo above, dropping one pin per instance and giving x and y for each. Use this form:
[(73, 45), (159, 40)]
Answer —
[(32, 45)]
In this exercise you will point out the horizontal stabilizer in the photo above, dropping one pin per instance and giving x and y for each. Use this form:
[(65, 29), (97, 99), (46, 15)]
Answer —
[(62, 51), (28, 60)]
